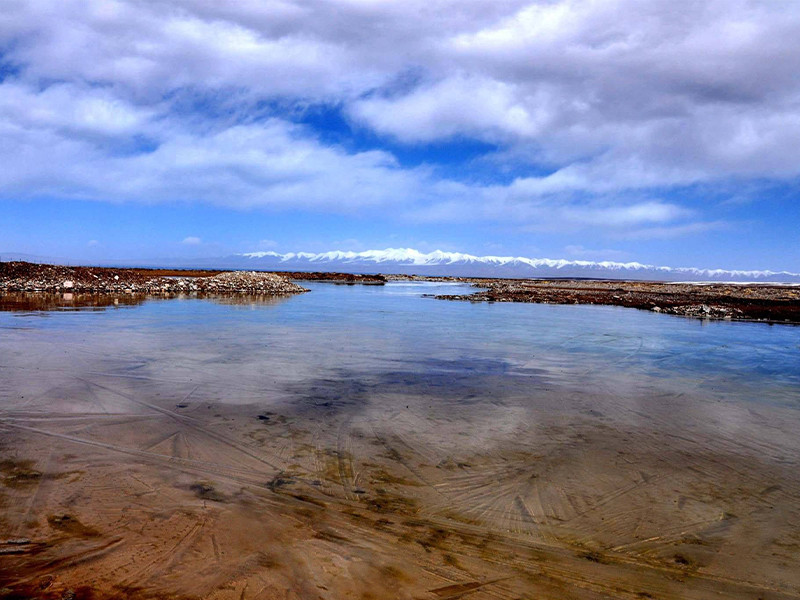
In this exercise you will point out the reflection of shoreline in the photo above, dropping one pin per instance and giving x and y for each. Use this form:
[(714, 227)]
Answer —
[(244, 300), (33, 301), (41, 301)]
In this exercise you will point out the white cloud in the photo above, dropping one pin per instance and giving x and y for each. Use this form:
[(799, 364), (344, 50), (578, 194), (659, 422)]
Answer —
[(73, 109), (457, 106), (683, 95), (192, 102), (191, 241)]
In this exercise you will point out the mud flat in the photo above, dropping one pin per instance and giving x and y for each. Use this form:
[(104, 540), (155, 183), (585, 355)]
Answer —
[(708, 301)]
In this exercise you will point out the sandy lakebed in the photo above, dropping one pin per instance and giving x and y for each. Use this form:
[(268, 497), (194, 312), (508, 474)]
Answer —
[(366, 442)]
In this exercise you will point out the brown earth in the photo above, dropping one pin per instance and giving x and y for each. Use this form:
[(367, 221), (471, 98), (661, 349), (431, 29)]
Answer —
[(293, 275), (780, 304), (33, 277), (334, 277), (20, 276)]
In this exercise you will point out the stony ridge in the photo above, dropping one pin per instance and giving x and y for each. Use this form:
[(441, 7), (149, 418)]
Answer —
[(718, 301), (32, 277)]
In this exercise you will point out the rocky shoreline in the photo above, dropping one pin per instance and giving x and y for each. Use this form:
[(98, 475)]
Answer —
[(769, 303), (32, 277), (750, 302), (345, 278)]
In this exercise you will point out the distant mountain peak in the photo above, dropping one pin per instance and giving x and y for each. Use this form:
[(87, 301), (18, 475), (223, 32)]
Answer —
[(439, 262)]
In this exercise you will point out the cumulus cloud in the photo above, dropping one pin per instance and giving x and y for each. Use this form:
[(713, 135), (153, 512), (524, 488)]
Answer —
[(456, 106), (613, 102), (617, 94)]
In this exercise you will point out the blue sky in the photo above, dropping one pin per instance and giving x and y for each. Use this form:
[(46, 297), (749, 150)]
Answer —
[(658, 132)]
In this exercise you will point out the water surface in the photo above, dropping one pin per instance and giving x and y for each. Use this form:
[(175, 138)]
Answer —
[(368, 329), (372, 440)]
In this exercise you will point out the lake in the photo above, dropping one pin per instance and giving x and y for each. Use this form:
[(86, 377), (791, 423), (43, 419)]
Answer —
[(371, 441)]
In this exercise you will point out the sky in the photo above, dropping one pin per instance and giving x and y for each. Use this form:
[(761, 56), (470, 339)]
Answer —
[(663, 132)]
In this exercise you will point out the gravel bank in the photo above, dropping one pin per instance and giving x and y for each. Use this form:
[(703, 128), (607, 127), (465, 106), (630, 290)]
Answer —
[(31, 277), (717, 301)]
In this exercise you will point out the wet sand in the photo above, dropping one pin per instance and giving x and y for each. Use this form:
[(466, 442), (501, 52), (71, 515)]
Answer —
[(134, 471), (363, 491)]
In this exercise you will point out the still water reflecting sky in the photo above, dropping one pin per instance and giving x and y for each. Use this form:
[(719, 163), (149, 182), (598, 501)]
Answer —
[(243, 352)]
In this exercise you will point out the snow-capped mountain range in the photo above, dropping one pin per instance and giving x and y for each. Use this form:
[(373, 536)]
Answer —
[(410, 261)]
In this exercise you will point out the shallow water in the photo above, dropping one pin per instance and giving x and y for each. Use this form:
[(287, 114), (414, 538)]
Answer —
[(246, 344), (628, 435)]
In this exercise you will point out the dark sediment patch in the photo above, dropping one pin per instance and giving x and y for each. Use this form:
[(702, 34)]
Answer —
[(19, 473), (467, 381), (206, 491), (71, 525)]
